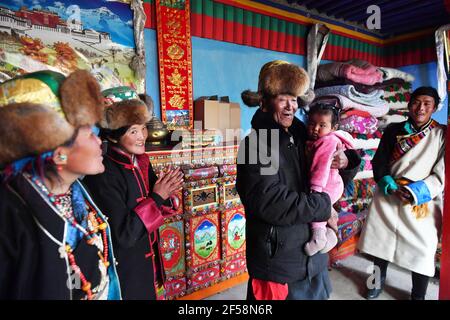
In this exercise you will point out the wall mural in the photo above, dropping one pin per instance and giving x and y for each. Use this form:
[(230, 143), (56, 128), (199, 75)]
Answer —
[(205, 239), (172, 248), (236, 231), (66, 35)]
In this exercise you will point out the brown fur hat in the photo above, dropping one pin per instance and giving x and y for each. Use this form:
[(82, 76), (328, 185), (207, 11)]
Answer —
[(125, 113), (28, 129), (278, 77), (81, 99), (40, 111)]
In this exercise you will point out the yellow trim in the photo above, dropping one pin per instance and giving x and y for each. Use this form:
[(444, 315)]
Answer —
[(221, 286), (301, 18)]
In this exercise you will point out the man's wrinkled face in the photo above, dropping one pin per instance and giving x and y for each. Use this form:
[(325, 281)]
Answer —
[(284, 108)]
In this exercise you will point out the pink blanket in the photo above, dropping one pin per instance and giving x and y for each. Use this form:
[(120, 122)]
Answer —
[(358, 124), (363, 73)]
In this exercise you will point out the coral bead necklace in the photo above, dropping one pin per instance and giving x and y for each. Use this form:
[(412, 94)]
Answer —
[(86, 224)]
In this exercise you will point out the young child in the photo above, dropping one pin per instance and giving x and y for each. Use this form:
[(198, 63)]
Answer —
[(323, 141)]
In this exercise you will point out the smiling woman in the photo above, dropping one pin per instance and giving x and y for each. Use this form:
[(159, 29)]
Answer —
[(131, 194)]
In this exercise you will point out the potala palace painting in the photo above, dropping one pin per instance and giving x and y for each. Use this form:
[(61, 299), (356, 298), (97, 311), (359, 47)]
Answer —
[(66, 35)]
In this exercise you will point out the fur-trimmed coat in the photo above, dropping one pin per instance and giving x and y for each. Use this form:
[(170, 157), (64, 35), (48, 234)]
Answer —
[(124, 194)]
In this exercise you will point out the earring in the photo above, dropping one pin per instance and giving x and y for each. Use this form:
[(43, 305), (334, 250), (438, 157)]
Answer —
[(59, 167)]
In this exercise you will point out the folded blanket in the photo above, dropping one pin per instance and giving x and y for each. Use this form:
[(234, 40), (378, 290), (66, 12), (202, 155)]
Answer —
[(397, 96), (350, 224), (366, 144), (363, 64), (354, 206), (373, 99), (367, 153), (354, 112), (364, 174), (387, 119), (385, 85), (368, 76), (376, 135), (376, 110), (366, 159), (365, 165), (390, 73), (398, 87), (398, 105), (402, 112), (361, 190), (358, 124), (330, 71)]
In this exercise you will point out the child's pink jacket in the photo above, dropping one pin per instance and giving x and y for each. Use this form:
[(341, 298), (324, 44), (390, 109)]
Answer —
[(322, 177)]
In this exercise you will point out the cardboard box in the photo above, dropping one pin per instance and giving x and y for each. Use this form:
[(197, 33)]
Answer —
[(235, 115), (217, 115)]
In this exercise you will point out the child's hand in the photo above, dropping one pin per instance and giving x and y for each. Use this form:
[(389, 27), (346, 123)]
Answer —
[(333, 221), (340, 160)]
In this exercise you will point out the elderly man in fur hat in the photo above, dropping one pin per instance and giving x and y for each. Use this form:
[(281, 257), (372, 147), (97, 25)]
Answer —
[(272, 181)]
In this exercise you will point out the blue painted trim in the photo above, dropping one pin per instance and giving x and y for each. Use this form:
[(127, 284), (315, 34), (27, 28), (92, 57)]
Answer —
[(420, 191)]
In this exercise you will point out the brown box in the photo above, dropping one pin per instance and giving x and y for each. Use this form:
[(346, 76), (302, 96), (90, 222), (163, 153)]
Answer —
[(235, 115), (217, 115)]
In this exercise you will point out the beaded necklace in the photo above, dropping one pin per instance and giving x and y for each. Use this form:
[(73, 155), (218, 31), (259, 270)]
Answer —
[(82, 224)]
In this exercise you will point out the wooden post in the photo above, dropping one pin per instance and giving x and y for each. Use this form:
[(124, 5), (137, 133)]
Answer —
[(444, 283)]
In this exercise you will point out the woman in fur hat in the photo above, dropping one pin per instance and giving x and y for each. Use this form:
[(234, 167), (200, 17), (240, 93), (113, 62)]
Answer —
[(405, 216), (274, 190), (54, 241), (134, 197)]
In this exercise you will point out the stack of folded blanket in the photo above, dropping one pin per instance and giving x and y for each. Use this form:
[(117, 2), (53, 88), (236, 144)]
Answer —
[(355, 70), (357, 196)]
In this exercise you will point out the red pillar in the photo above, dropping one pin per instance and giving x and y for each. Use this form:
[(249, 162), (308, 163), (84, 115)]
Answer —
[(444, 283)]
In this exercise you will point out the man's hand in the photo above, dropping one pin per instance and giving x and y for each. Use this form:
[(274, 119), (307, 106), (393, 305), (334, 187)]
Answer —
[(340, 160), (404, 195)]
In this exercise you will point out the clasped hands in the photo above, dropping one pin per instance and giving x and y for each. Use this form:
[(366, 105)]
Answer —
[(168, 183)]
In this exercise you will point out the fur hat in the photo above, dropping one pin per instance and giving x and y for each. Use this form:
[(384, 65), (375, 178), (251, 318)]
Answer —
[(41, 111), (125, 109), (278, 77)]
